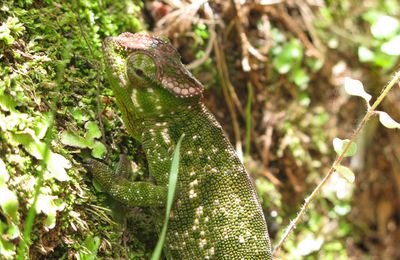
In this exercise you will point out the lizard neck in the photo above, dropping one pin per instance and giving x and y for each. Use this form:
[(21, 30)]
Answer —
[(181, 116), (140, 114), (160, 134)]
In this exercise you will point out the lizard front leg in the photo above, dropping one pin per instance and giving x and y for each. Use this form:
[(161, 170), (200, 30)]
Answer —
[(128, 192)]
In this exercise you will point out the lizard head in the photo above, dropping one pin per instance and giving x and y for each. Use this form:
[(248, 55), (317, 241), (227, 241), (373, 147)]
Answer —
[(147, 76)]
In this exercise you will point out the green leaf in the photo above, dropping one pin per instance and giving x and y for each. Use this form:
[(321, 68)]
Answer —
[(7, 103), (342, 209), (79, 116), (31, 144), (57, 166), (282, 66), (277, 36), (71, 139), (387, 121), (372, 16), (301, 78), (14, 25), (50, 221), (365, 54), (173, 178), (346, 173), (384, 61), (384, 26), (13, 231), (320, 119), (314, 64), (392, 47), (45, 204), (339, 144), (99, 150), (41, 126), (7, 249), (288, 56), (91, 245), (355, 88), (309, 244), (5, 35), (9, 203), (97, 185), (326, 14), (93, 130), (304, 99), (49, 205), (4, 176)]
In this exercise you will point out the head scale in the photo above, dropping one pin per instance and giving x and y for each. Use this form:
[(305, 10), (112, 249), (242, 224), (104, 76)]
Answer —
[(153, 59)]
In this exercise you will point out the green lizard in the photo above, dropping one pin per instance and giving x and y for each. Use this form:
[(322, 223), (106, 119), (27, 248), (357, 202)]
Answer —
[(216, 213)]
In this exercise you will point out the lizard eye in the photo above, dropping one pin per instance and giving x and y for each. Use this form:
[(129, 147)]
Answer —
[(139, 72), (140, 66)]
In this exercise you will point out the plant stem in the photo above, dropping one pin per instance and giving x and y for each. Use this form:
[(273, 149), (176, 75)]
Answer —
[(338, 160), (248, 122)]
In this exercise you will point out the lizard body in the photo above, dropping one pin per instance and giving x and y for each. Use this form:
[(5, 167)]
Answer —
[(216, 213)]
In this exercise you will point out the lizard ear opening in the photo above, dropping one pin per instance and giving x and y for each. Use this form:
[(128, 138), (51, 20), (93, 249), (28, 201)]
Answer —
[(181, 83)]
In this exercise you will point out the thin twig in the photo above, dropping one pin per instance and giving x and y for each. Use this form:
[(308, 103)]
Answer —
[(248, 121), (223, 74), (308, 17), (280, 13), (223, 77), (210, 44), (174, 3), (338, 160), (180, 18), (227, 88), (246, 46), (231, 88), (224, 68)]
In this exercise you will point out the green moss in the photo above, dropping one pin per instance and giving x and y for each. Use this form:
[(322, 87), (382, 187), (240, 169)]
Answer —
[(33, 37)]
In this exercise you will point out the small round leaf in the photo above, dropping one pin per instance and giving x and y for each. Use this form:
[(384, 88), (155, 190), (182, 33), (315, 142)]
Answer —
[(93, 130), (57, 166), (355, 88), (365, 54), (71, 139), (387, 121), (9, 203), (346, 173), (99, 150), (384, 26), (4, 176), (392, 47), (339, 144)]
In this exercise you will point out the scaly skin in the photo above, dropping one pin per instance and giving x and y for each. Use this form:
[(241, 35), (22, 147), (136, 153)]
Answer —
[(216, 214)]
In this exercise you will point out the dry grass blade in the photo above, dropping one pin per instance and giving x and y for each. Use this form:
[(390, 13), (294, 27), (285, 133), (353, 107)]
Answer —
[(247, 48), (179, 20)]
